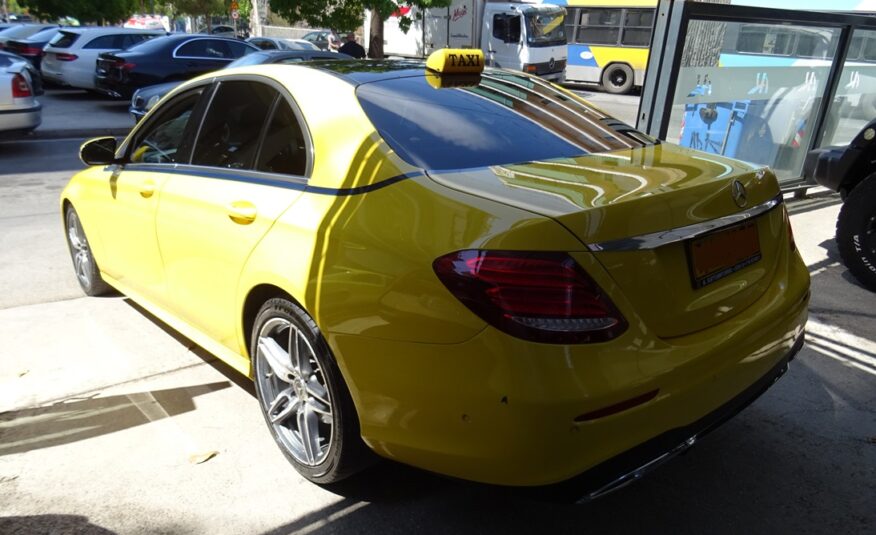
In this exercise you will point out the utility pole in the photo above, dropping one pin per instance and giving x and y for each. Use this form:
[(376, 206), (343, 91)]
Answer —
[(5, 11)]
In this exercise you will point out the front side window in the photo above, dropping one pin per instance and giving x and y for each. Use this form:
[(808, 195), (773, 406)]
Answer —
[(506, 28), (230, 132), (163, 140)]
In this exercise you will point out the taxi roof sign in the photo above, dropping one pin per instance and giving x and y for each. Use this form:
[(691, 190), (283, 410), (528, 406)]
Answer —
[(456, 61)]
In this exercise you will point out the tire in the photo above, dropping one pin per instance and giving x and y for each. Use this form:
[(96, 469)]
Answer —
[(856, 232), (84, 265), (618, 78), (326, 411)]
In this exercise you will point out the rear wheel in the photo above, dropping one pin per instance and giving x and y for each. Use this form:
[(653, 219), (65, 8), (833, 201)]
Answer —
[(303, 397), (856, 232), (617, 78), (87, 272)]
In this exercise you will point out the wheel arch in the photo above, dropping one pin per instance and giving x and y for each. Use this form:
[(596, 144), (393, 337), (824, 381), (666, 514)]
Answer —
[(252, 303)]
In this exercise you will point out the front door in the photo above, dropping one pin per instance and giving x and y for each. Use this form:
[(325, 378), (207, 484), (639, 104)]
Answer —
[(247, 168), (503, 38)]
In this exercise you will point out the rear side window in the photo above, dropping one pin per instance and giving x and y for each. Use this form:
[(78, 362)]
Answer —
[(103, 42), (264, 44), (502, 120), (64, 39), (130, 39), (231, 129), (238, 50), (284, 149), (205, 48)]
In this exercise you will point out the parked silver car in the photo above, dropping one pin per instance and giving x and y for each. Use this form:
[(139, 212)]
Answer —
[(20, 112)]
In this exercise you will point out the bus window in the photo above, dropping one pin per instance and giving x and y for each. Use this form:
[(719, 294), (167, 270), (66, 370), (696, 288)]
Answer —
[(764, 40), (869, 49), (599, 26), (811, 45), (855, 48), (637, 27)]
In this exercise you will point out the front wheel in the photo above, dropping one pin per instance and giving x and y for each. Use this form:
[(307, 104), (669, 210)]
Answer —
[(303, 397), (87, 272), (618, 78), (856, 232)]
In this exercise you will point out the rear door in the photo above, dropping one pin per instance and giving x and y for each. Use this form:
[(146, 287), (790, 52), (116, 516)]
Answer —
[(200, 56), (248, 165)]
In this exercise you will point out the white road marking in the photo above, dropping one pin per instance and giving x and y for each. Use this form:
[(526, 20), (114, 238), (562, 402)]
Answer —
[(843, 346)]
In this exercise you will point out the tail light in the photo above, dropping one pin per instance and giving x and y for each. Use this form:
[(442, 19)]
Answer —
[(20, 87), (791, 241), (543, 297), (30, 51), (63, 56), (123, 65)]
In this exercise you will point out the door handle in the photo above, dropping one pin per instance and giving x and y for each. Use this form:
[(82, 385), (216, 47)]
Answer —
[(147, 188), (242, 212)]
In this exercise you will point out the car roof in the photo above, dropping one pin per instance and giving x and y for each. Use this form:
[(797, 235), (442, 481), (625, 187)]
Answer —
[(107, 30)]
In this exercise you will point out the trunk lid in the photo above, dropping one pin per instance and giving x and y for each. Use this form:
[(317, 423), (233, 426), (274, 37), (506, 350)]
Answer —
[(636, 209)]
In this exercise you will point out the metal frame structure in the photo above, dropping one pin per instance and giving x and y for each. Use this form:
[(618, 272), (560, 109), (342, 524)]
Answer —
[(668, 40)]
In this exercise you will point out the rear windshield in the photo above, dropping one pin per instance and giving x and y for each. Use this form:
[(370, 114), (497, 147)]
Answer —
[(64, 39), (148, 47), (503, 119), (43, 36)]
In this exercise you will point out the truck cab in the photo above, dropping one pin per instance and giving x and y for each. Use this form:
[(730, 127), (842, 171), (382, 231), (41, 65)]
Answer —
[(528, 37), (525, 37)]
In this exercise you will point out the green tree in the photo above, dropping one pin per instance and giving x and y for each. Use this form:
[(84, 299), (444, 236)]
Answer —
[(110, 11), (197, 8), (349, 14)]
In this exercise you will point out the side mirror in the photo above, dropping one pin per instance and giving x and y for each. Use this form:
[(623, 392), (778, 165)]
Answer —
[(98, 151)]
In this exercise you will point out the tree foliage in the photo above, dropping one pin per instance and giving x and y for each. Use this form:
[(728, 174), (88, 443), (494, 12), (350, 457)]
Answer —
[(349, 14), (84, 10)]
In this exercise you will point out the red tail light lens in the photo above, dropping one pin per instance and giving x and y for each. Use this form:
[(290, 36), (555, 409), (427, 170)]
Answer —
[(30, 51), (20, 87), (543, 297), (63, 56)]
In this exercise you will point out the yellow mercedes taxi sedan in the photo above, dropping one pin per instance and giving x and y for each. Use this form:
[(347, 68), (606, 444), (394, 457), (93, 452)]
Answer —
[(470, 271)]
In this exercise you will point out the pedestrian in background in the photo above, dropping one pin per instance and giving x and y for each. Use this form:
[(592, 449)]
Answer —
[(352, 48)]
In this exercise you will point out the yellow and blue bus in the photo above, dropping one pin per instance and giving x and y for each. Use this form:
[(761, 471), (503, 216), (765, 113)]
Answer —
[(608, 41)]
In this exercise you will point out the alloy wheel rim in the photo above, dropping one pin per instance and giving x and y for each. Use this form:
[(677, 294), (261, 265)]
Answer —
[(79, 249), (293, 391)]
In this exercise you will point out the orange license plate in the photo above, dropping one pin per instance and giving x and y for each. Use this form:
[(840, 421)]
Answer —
[(723, 253)]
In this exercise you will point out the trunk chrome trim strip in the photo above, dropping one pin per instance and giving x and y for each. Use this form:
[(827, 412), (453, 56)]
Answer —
[(665, 237)]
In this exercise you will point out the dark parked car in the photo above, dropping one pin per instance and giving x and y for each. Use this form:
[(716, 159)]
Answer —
[(31, 48), (851, 170), (165, 59), (144, 99)]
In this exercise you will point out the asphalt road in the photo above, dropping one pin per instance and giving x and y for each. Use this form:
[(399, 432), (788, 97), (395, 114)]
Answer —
[(104, 413)]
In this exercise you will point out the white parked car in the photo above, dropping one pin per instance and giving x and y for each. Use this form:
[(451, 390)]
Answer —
[(19, 109), (70, 57)]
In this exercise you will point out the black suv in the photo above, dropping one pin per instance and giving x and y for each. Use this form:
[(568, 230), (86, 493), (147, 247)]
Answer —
[(851, 171)]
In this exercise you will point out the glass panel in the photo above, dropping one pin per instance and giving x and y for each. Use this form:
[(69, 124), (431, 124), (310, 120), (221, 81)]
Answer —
[(230, 133), (745, 91), (283, 150), (854, 104), (162, 141)]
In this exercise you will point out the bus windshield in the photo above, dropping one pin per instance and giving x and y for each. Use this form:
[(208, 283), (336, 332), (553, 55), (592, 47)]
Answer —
[(545, 27)]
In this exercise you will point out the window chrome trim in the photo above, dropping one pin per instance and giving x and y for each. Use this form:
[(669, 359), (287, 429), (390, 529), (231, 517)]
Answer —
[(208, 38), (665, 237)]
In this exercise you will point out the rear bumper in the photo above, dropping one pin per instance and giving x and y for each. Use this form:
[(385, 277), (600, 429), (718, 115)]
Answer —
[(500, 410), (24, 120), (630, 466), (113, 88)]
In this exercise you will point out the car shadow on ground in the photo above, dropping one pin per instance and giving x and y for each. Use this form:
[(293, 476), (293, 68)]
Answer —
[(89, 416), (61, 524)]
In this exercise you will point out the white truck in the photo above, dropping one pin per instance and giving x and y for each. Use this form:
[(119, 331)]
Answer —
[(523, 36)]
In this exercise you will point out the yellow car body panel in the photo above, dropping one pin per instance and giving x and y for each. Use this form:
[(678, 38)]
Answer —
[(433, 384)]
